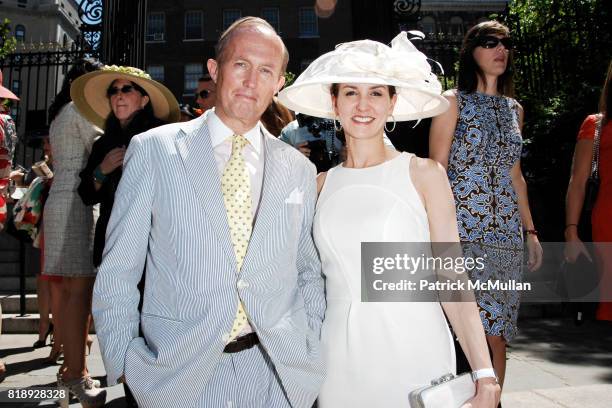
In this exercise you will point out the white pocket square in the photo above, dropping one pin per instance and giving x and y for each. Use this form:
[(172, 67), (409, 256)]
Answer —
[(296, 197)]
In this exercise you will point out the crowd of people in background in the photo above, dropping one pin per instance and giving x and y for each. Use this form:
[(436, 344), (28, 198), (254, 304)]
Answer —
[(123, 225)]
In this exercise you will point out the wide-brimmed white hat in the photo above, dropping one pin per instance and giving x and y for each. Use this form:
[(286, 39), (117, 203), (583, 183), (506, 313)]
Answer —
[(88, 93), (369, 62)]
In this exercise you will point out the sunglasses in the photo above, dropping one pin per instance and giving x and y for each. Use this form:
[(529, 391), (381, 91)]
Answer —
[(489, 41), (125, 89), (204, 93)]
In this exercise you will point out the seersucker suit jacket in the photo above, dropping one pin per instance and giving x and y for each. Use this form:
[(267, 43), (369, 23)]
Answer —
[(169, 217)]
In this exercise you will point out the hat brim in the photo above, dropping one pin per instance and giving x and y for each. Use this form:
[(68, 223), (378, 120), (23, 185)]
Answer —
[(313, 98), (88, 93), (7, 94)]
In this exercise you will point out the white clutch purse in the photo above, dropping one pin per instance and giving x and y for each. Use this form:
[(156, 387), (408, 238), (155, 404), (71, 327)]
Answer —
[(448, 391)]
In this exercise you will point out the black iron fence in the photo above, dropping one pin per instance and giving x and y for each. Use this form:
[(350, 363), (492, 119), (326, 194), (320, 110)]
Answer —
[(35, 74)]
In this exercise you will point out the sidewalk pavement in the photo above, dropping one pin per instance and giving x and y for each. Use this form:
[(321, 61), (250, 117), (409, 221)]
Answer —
[(552, 363)]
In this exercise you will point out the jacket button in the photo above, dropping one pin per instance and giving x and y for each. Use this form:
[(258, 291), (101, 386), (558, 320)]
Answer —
[(242, 284)]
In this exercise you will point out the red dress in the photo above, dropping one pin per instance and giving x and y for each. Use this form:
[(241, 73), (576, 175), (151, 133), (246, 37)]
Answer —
[(602, 212)]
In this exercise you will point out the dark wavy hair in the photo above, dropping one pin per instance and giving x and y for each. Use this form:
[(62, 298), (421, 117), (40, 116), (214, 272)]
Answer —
[(470, 72), (81, 67), (142, 121)]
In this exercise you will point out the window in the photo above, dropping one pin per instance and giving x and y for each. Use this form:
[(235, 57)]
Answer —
[(308, 22), (193, 25), (20, 32), (156, 23), (192, 73), (456, 26), (270, 14), (156, 72), (229, 16), (428, 25)]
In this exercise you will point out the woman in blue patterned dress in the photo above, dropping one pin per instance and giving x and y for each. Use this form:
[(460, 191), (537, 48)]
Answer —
[(478, 140)]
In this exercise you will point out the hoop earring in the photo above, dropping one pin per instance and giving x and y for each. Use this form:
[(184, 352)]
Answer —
[(336, 128), (393, 128)]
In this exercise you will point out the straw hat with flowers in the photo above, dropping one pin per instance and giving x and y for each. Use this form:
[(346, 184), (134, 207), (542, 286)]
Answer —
[(88, 92)]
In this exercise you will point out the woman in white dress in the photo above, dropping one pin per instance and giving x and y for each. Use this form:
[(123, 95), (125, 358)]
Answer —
[(376, 353)]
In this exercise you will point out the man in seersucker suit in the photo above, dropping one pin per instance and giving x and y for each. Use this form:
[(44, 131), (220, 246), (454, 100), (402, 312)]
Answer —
[(219, 212)]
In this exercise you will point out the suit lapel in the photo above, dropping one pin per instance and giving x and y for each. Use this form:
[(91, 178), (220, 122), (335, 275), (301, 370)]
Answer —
[(272, 197), (195, 148)]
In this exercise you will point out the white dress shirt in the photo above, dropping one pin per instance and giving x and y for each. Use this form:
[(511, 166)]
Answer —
[(253, 153)]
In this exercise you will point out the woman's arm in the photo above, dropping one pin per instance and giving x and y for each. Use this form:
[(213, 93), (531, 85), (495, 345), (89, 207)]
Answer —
[(320, 181), (533, 244), (574, 200), (520, 187), (89, 188), (442, 131), (432, 184)]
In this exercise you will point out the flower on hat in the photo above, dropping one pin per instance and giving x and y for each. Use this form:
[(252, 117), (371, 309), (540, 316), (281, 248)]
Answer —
[(127, 70)]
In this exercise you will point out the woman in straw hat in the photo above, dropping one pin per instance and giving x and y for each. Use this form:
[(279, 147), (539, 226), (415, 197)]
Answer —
[(377, 353), (123, 101)]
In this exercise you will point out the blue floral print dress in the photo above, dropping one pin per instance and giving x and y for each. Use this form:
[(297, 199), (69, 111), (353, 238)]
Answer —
[(486, 145)]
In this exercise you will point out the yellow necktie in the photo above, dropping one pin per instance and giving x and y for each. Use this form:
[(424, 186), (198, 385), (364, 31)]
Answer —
[(236, 186)]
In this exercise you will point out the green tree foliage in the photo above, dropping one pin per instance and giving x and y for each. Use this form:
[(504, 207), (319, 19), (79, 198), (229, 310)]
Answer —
[(563, 48), (7, 41)]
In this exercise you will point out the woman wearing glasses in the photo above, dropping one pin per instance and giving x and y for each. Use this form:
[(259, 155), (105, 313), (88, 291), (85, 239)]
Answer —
[(478, 140), (123, 101)]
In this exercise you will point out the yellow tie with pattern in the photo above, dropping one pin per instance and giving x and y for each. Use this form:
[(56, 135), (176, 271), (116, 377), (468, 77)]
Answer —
[(236, 186)]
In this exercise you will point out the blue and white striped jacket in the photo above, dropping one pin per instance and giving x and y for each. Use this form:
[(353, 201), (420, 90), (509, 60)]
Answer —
[(169, 217)]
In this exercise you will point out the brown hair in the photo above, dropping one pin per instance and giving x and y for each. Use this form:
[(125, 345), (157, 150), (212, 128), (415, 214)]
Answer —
[(605, 104), (241, 24), (276, 117), (470, 72), (334, 88)]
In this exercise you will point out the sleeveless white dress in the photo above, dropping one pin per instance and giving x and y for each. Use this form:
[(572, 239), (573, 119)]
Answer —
[(376, 353)]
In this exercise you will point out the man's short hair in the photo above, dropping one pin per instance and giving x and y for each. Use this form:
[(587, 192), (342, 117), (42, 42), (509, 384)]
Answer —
[(205, 78), (242, 23)]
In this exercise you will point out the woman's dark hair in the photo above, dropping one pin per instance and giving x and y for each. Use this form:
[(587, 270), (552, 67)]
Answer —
[(142, 121), (276, 117), (81, 67), (605, 101), (334, 88), (470, 72)]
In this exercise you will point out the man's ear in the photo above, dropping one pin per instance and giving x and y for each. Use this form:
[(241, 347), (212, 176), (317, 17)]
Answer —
[(281, 83), (212, 66)]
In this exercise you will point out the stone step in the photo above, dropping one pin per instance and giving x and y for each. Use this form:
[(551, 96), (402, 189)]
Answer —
[(12, 323), (11, 303)]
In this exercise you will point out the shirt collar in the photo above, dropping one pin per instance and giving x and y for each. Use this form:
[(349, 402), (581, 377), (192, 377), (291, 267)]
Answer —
[(220, 132)]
